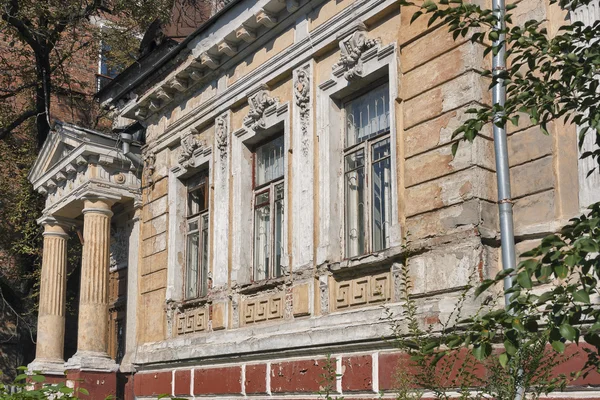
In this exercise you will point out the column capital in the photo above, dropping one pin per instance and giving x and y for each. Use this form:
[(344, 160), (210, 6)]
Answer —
[(98, 206), (54, 225)]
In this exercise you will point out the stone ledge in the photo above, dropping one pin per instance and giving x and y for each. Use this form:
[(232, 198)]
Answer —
[(47, 367), (91, 361)]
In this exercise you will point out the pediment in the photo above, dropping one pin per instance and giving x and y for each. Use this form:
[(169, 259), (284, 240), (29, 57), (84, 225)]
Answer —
[(68, 145)]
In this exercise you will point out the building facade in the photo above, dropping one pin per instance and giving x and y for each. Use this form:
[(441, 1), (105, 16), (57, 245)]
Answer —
[(295, 153)]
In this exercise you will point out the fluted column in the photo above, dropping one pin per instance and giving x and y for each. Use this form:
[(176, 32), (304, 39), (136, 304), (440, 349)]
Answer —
[(51, 316), (92, 338)]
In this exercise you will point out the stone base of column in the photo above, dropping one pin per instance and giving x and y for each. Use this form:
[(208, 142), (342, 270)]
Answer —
[(100, 385), (47, 367), (91, 361)]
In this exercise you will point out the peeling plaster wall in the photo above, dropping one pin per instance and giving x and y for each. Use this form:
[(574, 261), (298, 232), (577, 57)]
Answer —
[(327, 303)]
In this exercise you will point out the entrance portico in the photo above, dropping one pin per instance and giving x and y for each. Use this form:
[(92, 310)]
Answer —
[(84, 176)]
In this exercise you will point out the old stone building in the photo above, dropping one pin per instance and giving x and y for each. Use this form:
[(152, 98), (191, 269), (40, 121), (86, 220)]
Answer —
[(290, 149)]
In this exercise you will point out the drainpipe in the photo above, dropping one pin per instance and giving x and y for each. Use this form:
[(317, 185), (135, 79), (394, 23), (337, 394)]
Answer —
[(127, 138), (505, 204)]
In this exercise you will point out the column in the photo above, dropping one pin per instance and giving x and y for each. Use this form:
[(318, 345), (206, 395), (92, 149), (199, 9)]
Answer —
[(92, 335), (51, 316)]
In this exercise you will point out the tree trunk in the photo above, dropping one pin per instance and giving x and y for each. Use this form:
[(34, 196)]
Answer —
[(42, 98)]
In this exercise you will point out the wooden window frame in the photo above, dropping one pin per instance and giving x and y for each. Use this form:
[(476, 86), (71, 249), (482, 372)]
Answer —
[(366, 147)]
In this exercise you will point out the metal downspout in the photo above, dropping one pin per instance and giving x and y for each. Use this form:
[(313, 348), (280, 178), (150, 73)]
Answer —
[(505, 204)]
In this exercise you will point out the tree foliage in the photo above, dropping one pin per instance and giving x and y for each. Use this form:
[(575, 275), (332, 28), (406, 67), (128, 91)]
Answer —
[(552, 300), (49, 48)]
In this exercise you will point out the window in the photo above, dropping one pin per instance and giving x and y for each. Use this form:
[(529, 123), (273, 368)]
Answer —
[(196, 282), (268, 209), (367, 172)]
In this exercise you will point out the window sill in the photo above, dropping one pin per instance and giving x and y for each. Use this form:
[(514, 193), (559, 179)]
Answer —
[(192, 303), (371, 260), (265, 284)]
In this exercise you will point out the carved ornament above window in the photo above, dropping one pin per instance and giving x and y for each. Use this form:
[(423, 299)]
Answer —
[(259, 102), (352, 50)]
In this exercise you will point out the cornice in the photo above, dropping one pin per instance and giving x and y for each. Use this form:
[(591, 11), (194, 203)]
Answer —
[(292, 57)]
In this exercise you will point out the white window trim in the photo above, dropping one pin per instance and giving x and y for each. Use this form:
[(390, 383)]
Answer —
[(269, 187), (243, 193), (177, 197), (331, 142)]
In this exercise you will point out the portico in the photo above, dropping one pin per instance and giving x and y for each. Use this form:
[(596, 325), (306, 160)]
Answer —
[(84, 176)]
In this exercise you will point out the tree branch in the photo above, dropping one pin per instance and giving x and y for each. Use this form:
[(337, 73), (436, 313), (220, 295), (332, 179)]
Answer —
[(16, 123), (10, 16)]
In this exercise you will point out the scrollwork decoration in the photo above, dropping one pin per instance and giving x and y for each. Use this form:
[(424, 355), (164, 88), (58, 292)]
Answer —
[(258, 104), (352, 50), (189, 144), (302, 95)]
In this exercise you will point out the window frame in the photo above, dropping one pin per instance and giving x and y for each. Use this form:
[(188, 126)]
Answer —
[(269, 187), (366, 146), (202, 219)]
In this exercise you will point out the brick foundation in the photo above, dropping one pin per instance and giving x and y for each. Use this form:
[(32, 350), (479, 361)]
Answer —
[(100, 385), (363, 376)]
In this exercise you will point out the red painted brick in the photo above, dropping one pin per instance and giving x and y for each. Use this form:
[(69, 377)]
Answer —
[(357, 373), (388, 367), (297, 376), (576, 358), (256, 379), (152, 384), (183, 379), (226, 380), (99, 385)]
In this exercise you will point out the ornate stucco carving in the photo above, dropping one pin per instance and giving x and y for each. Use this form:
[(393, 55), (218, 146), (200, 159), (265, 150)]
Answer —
[(195, 320), (149, 160), (362, 291), (221, 136), (258, 104), (263, 308), (119, 249), (352, 50), (188, 145), (302, 95)]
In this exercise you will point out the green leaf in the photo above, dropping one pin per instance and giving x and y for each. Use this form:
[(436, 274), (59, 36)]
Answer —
[(581, 296), (38, 378), (558, 346), (503, 359), (84, 391), (454, 148), (510, 347), (561, 271), (484, 286), (524, 280), (20, 377), (482, 351), (567, 331)]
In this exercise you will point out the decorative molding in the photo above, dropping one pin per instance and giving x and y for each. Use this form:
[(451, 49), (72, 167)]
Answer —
[(302, 96), (190, 321), (228, 48), (189, 144), (208, 60), (263, 309), (149, 159), (352, 49), (265, 18), (259, 103), (221, 130), (361, 292), (119, 248), (179, 84), (245, 33)]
